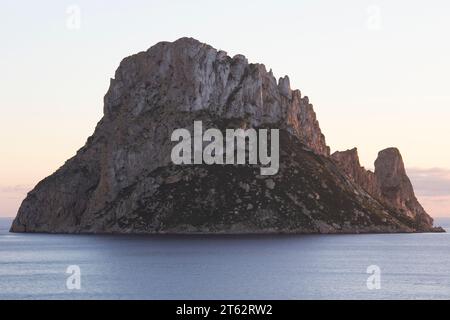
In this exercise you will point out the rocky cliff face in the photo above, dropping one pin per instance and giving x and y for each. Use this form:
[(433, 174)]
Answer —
[(348, 161), (389, 184), (123, 180), (188, 76)]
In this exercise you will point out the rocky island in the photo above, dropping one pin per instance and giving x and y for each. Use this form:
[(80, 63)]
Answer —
[(123, 181)]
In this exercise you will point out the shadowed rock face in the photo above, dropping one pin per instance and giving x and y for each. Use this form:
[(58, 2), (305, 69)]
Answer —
[(123, 181), (389, 184)]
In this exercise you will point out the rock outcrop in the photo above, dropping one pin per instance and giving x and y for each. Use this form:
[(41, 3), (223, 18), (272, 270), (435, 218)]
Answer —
[(348, 161), (123, 180), (389, 184)]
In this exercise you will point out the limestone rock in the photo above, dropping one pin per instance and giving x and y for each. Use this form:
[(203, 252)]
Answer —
[(349, 163), (123, 181), (389, 184), (396, 188)]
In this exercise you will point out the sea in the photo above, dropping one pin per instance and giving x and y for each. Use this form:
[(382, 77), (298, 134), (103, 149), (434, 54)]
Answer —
[(370, 266)]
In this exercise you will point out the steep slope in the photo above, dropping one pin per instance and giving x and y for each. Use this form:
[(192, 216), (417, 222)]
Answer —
[(123, 180), (389, 184)]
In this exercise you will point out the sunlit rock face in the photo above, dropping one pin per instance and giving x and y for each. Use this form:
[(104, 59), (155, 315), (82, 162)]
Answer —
[(389, 184), (123, 181), (189, 76), (348, 161)]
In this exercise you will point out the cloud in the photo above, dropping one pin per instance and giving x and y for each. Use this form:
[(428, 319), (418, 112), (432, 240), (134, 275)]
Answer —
[(11, 198), (432, 188), (430, 182), (16, 189), (436, 206)]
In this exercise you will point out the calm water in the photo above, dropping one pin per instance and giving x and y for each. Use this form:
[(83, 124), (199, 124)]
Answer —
[(250, 267)]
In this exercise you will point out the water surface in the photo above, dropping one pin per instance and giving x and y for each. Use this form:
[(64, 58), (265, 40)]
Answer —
[(413, 266)]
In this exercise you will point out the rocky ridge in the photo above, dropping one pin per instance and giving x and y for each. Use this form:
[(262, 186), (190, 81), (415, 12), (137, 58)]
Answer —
[(123, 181), (389, 184)]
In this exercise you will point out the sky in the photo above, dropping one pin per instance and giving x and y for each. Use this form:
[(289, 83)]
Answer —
[(377, 73)]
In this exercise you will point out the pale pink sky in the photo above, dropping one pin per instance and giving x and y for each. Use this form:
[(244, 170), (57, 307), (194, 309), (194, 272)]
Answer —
[(376, 72)]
